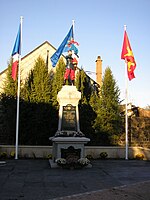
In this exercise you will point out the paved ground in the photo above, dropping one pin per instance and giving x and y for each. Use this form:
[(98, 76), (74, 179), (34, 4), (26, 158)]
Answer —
[(106, 180)]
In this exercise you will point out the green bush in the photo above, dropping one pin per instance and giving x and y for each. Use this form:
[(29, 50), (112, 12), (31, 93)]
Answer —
[(139, 156), (3, 155), (103, 155), (12, 154), (49, 156), (89, 157)]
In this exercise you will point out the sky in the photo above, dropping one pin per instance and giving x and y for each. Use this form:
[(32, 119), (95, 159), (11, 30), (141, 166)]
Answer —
[(99, 29)]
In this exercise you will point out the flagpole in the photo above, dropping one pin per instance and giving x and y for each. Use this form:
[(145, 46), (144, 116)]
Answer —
[(73, 22), (126, 108), (126, 112), (18, 93)]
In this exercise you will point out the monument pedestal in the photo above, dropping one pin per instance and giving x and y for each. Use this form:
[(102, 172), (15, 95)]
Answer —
[(68, 141), (62, 145)]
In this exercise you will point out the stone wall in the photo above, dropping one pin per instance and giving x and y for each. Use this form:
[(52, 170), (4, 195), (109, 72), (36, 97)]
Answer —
[(43, 151)]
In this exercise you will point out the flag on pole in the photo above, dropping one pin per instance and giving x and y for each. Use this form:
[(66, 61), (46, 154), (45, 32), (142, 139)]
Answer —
[(71, 46), (128, 56), (15, 54), (55, 57)]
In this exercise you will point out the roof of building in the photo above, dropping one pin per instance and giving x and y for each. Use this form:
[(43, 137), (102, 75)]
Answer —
[(46, 42)]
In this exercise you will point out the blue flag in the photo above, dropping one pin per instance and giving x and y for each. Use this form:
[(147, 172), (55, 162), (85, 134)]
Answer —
[(17, 46), (15, 54), (55, 57)]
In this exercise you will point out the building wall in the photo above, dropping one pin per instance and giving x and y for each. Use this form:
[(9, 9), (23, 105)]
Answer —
[(28, 61), (2, 78)]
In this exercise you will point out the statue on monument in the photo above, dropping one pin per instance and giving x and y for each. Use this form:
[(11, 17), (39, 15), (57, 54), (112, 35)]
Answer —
[(71, 64)]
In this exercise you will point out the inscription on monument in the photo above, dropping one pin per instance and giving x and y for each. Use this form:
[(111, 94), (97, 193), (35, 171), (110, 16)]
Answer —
[(69, 118), (71, 152)]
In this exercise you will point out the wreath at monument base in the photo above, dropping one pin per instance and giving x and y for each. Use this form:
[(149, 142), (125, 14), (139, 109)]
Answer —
[(72, 162), (69, 134)]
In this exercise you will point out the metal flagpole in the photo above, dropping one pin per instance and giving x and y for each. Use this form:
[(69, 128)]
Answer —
[(18, 93), (126, 107), (126, 113), (73, 22)]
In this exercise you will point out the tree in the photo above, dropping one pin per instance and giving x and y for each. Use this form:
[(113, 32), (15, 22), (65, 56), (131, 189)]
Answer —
[(83, 85), (8, 108), (57, 82), (37, 116), (108, 121), (37, 85), (8, 119), (87, 114), (10, 86)]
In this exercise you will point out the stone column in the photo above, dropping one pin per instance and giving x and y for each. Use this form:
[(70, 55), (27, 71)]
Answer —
[(68, 95)]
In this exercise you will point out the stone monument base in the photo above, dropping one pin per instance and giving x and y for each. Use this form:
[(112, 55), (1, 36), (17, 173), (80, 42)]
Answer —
[(64, 147), (63, 143)]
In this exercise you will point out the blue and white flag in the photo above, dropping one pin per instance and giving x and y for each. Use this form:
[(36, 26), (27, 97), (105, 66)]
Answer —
[(55, 57)]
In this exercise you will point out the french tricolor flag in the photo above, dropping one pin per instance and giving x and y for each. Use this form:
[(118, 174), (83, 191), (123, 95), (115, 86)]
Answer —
[(15, 54)]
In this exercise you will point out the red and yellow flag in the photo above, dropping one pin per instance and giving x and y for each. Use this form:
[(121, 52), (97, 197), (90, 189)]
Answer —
[(128, 56)]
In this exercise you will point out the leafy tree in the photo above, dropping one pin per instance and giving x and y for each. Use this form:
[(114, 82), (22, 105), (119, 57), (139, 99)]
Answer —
[(37, 113), (27, 88), (57, 82), (108, 121), (8, 119), (37, 85), (8, 107), (10, 86), (99, 115), (83, 85), (86, 112)]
